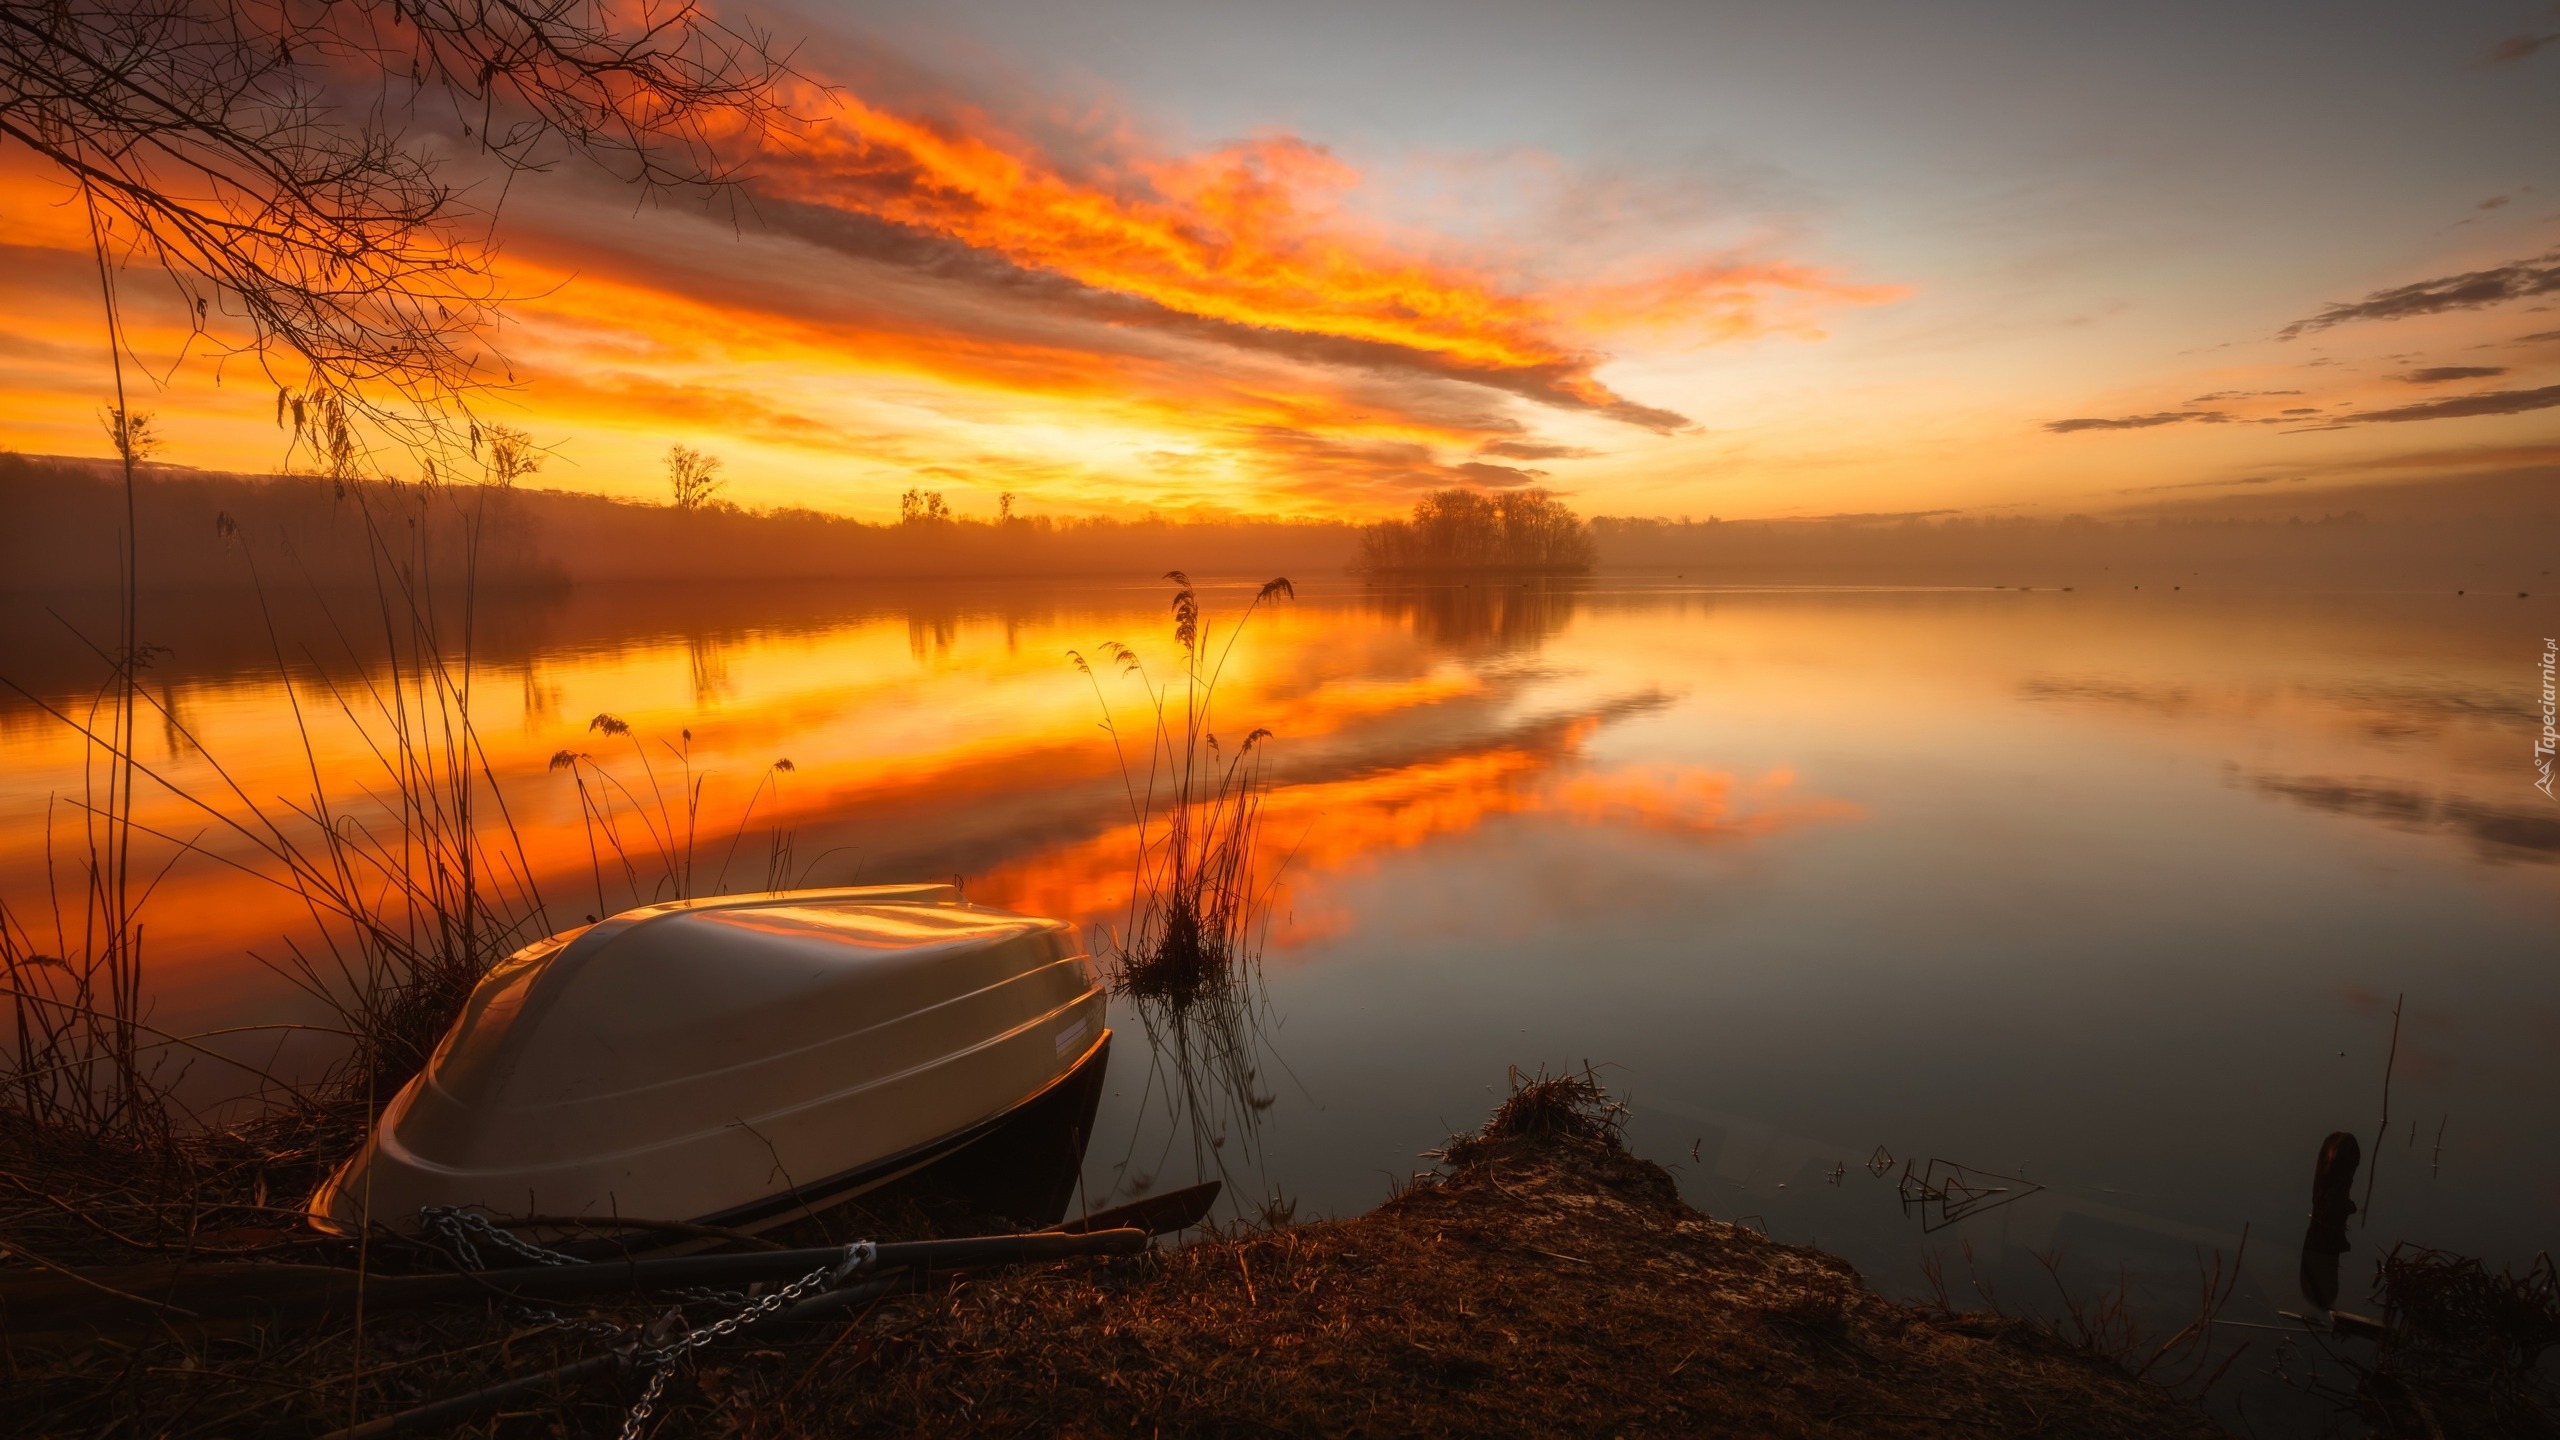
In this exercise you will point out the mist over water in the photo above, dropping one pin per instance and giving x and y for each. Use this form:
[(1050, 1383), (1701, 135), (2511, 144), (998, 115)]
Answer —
[(2110, 893)]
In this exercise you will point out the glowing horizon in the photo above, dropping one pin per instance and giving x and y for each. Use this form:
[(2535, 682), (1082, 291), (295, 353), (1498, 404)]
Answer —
[(1055, 292)]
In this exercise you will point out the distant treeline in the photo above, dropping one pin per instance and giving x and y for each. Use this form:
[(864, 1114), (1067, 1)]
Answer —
[(1458, 529), (2492, 533), (60, 521)]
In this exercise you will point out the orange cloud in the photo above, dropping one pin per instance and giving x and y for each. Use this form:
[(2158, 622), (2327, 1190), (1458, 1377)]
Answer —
[(920, 286), (1237, 235), (1725, 298)]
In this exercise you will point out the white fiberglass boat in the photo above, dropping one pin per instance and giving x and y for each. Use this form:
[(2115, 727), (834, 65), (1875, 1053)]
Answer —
[(748, 1060)]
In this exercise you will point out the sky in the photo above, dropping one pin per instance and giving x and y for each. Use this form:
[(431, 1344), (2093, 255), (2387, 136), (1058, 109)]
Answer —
[(1666, 259)]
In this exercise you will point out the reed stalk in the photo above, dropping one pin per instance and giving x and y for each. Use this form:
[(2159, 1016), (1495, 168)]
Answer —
[(1187, 952)]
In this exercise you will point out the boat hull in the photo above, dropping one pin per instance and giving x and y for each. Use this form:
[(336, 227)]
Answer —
[(744, 1062), (1017, 1169)]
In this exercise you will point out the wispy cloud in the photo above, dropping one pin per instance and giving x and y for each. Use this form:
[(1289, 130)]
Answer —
[(2496, 832), (2213, 484), (1534, 450), (2518, 47), (2136, 422), (2439, 374), (2489, 402), (2468, 291), (936, 279)]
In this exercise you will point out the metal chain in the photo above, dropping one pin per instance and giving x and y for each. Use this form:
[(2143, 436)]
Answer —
[(658, 1358), (456, 1226), (639, 1415), (726, 1326)]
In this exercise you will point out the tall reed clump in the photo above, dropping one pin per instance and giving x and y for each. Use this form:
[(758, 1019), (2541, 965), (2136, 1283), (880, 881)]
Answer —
[(1187, 952), (411, 874), (1194, 903), (78, 1063), (414, 876)]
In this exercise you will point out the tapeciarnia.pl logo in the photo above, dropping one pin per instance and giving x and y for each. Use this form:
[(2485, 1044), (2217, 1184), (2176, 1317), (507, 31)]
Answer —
[(2550, 739)]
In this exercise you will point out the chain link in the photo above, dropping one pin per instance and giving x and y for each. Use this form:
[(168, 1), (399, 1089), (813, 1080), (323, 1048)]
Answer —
[(658, 1358), (456, 1228), (721, 1329), (648, 1401)]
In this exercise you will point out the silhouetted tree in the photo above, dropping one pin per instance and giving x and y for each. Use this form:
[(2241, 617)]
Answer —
[(693, 476), (507, 454), (1459, 529)]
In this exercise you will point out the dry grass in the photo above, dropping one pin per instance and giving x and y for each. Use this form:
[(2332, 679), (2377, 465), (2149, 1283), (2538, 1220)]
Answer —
[(2464, 1349), (1545, 1282), (1541, 1282)]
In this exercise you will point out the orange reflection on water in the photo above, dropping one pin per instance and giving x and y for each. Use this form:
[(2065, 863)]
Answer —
[(946, 734), (1317, 831), (909, 760)]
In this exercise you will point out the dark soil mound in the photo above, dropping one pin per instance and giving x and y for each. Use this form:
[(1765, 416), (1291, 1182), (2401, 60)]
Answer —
[(1545, 1283)]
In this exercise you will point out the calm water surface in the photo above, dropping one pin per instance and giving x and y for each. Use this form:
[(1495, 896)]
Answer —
[(2111, 892)]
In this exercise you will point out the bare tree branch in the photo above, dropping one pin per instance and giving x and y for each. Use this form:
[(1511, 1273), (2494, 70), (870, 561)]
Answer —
[(285, 161)]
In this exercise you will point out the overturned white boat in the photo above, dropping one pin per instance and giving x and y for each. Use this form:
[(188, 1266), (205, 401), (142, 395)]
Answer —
[(748, 1060)]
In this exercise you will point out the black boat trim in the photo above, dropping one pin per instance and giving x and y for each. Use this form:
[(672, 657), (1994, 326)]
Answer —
[(807, 1199)]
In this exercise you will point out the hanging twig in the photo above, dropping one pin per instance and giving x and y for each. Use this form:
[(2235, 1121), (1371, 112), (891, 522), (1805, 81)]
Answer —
[(2382, 1132)]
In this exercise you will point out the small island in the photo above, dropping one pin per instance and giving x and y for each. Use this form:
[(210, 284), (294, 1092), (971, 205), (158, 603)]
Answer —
[(1460, 530)]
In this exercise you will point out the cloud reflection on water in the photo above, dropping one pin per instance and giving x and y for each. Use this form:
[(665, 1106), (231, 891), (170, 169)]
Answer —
[(1320, 828)]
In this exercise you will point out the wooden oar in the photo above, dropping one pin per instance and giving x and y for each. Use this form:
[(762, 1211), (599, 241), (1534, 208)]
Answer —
[(445, 1414), (1157, 1214), (93, 1302), (122, 1299)]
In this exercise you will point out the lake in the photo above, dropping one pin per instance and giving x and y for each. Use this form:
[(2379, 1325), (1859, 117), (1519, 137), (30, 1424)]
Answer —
[(2108, 892)]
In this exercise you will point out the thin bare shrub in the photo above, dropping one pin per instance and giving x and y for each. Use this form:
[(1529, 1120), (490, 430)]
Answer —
[(1188, 950), (2109, 1324), (79, 1060), (652, 830)]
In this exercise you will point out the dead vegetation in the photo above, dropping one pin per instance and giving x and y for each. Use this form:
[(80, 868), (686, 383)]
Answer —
[(2462, 1348), (1541, 1281)]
